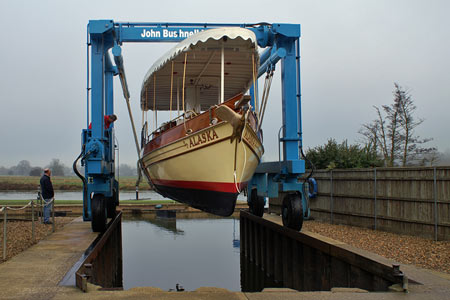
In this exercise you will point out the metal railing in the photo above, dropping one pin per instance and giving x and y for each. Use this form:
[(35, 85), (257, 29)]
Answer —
[(41, 203)]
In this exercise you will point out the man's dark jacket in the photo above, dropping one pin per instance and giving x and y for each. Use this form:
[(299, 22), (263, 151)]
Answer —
[(46, 187)]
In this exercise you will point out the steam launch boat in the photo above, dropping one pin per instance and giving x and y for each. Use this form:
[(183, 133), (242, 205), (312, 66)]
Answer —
[(209, 148)]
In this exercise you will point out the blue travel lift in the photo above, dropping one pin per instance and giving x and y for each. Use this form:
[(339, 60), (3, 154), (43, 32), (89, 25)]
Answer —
[(272, 179)]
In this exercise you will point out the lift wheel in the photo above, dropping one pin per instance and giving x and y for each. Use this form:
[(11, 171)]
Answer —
[(256, 204), (292, 211), (99, 213)]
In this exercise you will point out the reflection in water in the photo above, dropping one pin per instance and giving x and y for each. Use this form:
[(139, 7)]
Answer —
[(168, 224), (236, 236), (190, 252)]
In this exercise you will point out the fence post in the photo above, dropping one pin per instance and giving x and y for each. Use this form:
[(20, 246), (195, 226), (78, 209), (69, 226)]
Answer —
[(375, 196), (39, 204), (53, 215), (331, 196), (435, 205), (42, 209), (32, 222), (4, 232)]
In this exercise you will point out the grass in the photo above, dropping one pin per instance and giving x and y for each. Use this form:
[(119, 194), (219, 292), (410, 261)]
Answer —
[(66, 183), (80, 202)]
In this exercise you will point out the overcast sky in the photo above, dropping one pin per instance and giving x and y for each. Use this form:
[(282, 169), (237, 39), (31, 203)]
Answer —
[(352, 52)]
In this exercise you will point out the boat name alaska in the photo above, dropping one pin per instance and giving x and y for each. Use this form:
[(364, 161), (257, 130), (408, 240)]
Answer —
[(202, 138)]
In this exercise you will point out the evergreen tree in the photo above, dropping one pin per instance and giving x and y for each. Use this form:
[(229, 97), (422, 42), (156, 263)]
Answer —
[(343, 156)]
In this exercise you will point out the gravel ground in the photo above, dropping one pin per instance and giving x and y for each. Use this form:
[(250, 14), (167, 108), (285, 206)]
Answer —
[(404, 249), (19, 234)]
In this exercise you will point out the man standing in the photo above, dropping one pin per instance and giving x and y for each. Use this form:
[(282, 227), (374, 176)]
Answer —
[(47, 194), (108, 120)]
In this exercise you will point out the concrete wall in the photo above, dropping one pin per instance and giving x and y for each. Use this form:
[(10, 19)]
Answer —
[(414, 201)]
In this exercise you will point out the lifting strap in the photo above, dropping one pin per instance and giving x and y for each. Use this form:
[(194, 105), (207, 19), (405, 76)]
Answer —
[(265, 96), (138, 150), (127, 100)]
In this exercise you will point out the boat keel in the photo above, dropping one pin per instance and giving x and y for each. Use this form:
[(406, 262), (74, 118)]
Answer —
[(214, 202)]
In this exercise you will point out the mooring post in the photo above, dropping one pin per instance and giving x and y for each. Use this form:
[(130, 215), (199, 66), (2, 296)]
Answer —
[(32, 222), (4, 232), (84, 283)]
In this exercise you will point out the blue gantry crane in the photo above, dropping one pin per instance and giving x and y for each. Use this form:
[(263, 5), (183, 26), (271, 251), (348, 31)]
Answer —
[(281, 178)]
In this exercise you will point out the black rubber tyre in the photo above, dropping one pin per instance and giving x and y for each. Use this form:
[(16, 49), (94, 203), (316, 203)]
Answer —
[(111, 204), (292, 211), (256, 204), (98, 208)]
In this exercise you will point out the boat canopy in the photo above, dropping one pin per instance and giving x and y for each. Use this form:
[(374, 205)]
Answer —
[(196, 64)]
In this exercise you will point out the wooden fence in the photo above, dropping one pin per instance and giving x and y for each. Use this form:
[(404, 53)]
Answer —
[(414, 201)]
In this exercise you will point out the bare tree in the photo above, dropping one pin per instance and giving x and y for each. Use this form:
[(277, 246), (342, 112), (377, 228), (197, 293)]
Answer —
[(393, 131), (382, 133), (374, 136), (411, 143), (393, 113)]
